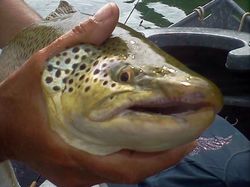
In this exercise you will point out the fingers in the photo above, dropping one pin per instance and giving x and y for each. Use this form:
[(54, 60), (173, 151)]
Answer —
[(132, 167), (95, 30), (137, 166)]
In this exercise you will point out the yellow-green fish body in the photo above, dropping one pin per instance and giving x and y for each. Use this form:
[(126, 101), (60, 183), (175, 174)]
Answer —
[(125, 94)]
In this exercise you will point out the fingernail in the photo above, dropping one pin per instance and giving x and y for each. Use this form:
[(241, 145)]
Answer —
[(104, 13)]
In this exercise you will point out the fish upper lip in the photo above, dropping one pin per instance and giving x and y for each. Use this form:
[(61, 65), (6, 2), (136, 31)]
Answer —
[(163, 106), (167, 107), (158, 105)]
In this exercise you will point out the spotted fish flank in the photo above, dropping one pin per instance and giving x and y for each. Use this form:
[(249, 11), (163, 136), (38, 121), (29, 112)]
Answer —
[(124, 94), (111, 92), (73, 73)]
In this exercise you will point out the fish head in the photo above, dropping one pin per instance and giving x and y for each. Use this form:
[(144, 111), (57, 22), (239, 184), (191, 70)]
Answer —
[(126, 94)]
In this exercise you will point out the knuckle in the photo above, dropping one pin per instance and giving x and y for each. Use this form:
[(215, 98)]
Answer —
[(38, 56), (87, 25)]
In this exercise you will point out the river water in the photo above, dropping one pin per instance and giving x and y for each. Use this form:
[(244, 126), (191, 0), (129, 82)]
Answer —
[(153, 13)]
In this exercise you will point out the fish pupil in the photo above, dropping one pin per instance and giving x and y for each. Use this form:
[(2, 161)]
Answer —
[(124, 77)]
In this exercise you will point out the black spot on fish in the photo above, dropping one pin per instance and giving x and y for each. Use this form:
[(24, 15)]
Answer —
[(76, 56), (105, 83), (96, 62), (67, 71), (72, 72), (82, 67), (87, 50), (83, 57), (57, 62), (76, 74), (57, 55), (104, 65), (87, 70), (95, 80), (112, 60), (113, 85), (81, 78), (87, 89), (96, 71), (70, 89), (87, 80), (58, 73), (71, 81), (67, 61), (49, 79), (75, 49), (64, 53), (105, 57), (105, 75), (49, 67), (79, 86), (74, 66), (56, 88), (65, 79)]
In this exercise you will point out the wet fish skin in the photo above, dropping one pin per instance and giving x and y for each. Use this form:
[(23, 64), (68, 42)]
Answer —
[(107, 98), (125, 94)]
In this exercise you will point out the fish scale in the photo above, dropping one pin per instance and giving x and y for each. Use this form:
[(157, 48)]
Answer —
[(68, 67)]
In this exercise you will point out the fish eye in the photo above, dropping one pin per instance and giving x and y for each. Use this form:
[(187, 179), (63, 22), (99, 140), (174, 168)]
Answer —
[(126, 74)]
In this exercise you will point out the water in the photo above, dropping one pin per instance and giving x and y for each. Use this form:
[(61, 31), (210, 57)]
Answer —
[(245, 4), (153, 13)]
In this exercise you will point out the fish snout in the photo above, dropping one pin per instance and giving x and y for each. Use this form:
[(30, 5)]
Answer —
[(194, 90)]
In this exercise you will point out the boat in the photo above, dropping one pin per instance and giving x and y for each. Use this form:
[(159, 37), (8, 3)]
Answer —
[(214, 40)]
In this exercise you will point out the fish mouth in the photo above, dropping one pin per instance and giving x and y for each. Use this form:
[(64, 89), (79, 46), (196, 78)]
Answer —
[(155, 107), (169, 109)]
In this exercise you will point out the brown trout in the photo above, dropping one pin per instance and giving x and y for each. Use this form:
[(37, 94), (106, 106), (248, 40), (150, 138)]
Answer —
[(125, 94)]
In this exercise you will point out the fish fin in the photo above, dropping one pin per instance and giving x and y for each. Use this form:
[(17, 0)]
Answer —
[(64, 8)]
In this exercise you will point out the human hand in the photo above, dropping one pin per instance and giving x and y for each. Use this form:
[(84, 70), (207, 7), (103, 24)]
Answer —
[(27, 136)]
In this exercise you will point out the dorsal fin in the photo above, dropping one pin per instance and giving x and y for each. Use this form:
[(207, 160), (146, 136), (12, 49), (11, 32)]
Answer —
[(63, 9)]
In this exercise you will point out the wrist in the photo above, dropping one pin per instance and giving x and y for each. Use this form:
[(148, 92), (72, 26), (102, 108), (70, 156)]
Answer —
[(14, 16), (3, 154), (6, 124)]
